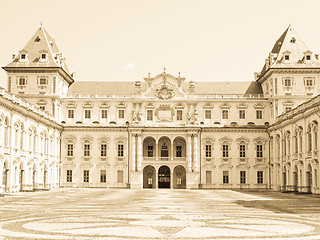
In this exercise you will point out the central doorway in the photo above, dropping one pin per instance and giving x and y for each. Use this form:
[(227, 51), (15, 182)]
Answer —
[(164, 177)]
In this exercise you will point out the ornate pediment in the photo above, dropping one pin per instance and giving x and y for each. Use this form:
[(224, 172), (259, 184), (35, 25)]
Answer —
[(165, 92)]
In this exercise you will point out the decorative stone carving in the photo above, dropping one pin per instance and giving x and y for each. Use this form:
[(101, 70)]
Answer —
[(164, 92)]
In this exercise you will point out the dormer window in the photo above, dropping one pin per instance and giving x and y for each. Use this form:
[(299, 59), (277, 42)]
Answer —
[(286, 57), (308, 57), (23, 56), (43, 56)]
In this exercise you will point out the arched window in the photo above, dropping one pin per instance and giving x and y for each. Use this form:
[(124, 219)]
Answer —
[(225, 149), (86, 148), (242, 149), (103, 148), (288, 142), (259, 149), (6, 132), (315, 135), (309, 137), (22, 137), (70, 148)]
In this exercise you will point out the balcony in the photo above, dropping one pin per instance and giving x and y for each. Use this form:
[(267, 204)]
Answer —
[(225, 160), (242, 160), (69, 159), (86, 159)]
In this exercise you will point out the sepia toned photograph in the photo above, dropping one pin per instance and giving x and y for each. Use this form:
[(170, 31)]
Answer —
[(159, 119)]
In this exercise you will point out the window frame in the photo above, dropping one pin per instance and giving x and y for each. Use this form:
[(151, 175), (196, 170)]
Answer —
[(86, 176), (243, 177)]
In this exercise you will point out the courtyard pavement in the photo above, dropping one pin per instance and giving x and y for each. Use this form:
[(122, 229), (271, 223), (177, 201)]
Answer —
[(158, 214)]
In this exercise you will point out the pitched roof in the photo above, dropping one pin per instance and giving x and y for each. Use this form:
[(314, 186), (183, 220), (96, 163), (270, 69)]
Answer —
[(41, 42), (291, 43), (125, 88)]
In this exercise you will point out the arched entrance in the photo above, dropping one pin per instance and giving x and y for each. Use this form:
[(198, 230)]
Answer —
[(5, 175), (284, 179), (309, 179), (164, 177), (21, 176), (149, 177), (295, 179), (179, 177)]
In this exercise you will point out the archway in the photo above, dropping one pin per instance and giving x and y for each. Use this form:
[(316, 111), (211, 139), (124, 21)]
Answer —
[(5, 175), (179, 177), (309, 179), (21, 177), (149, 177), (295, 179), (284, 179), (164, 177), (149, 147), (164, 146), (179, 148)]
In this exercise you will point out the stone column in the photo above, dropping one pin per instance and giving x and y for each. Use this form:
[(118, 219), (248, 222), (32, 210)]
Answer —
[(172, 151), (189, 152), (157, 151), (139, 155), (195, 152), (133, 151)]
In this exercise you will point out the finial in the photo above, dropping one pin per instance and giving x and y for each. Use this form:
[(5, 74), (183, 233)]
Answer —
[(179, 74), (41, 24), (164, 70), (149, 74)]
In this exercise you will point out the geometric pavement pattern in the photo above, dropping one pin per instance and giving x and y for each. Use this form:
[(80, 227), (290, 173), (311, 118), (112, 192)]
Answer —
[(158, 214)]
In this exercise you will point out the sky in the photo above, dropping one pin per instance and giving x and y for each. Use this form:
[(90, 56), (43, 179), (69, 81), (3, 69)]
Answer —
[(205, 40)]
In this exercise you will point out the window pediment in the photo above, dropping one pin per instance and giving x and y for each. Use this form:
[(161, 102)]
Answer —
[(87, 105), (104, 105), (71, 105), (121, 105), (258, 106), (242, 106), (225, 106), (208, 106)]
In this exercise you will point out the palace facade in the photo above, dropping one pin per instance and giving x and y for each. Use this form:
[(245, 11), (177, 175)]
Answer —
[(162, 131)]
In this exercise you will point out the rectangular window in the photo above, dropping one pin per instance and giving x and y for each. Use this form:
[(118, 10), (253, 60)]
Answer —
[(121, 113), (103, 150), (259, 151), (242, 114), (286, 57), (69, 175), (242, 151), (287, 82), (287, 109), (207, 114), (103, 176), (208, 151), (179, 115), (104, 114), (225, 114), (308, 57), (70, 113), (23, 56), (120, 150), (309, 82), (259, 177), (259, 114), (70, 150), (149, 115), (22, 81), (208, 177), (120, 176), (87, 114), (178, 151), (225, 150), (42, 108), (242, 177), (86, 176), (225, 177), (86, 151), (42, 81), (150, 151), (43, 56)]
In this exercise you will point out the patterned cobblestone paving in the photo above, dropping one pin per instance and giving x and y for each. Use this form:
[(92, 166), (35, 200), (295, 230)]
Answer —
[(158, 214)]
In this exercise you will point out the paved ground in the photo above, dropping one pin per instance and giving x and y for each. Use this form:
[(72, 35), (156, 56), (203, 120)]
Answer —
[(158, 214)]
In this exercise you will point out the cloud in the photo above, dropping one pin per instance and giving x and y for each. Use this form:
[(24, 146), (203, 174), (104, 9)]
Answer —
[(129, 66)]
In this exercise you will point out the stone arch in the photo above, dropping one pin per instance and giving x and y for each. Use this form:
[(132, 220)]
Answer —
[(179, 177), (149, 147), (179, 147), (164, 147), (164, 177), (149, 177), (309, 178)]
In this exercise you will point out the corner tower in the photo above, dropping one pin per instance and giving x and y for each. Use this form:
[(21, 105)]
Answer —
[(38, 73), (290, 75)]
